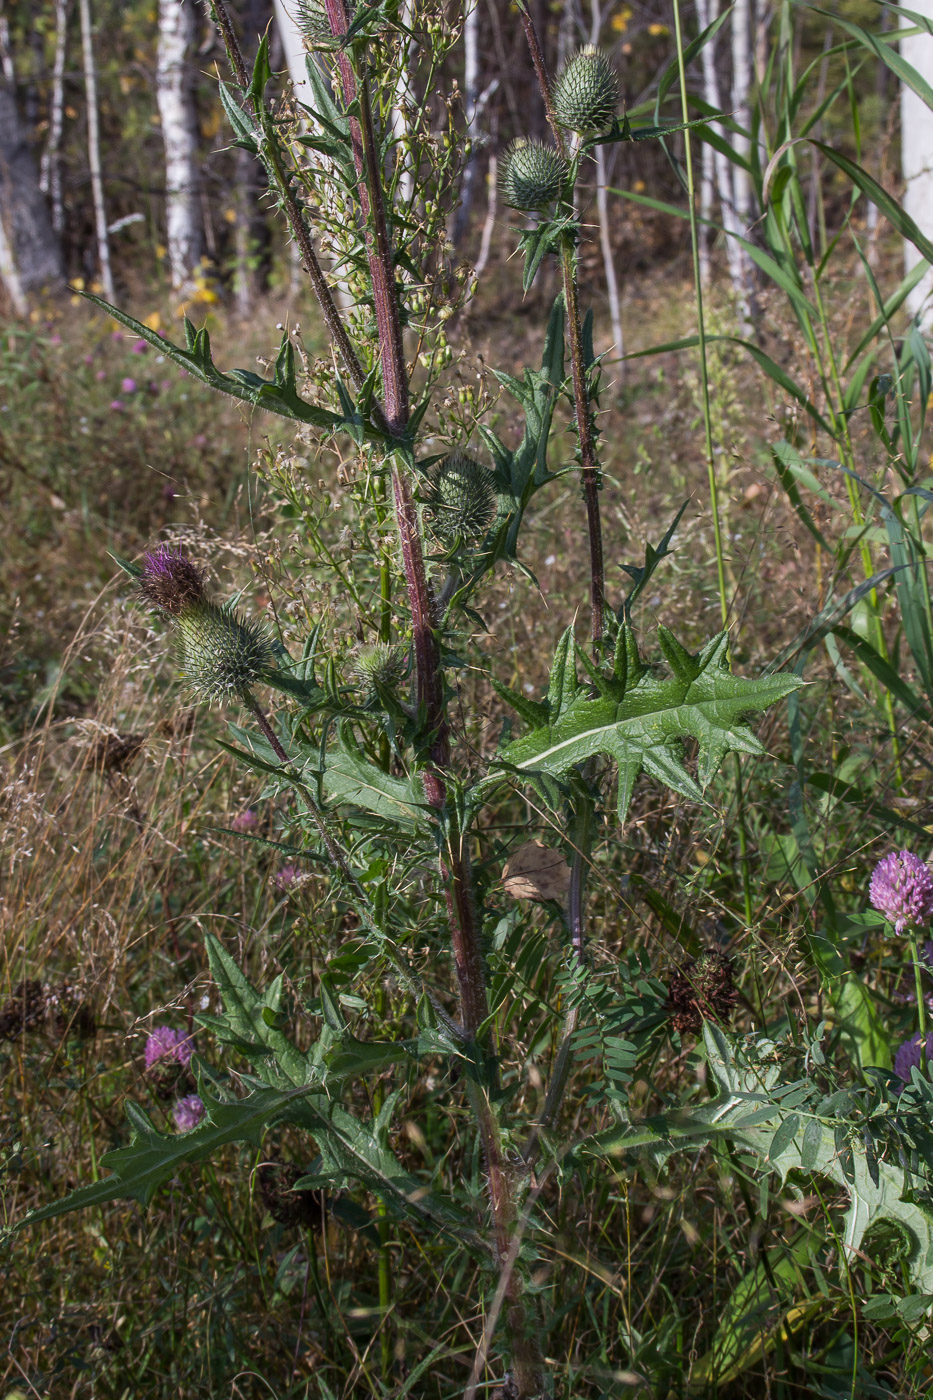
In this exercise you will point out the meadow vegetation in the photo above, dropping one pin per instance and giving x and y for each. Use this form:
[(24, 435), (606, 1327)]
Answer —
[(705, 980)]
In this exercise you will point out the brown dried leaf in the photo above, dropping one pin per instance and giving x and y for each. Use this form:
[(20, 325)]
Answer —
[(536, 872)]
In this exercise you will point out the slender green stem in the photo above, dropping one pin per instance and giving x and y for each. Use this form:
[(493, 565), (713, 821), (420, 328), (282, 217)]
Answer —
[(921, 1000)]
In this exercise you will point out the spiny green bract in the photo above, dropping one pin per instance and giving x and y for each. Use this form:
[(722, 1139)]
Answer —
[(379, 665), (222, 656), (586, 94), (312, 19), (462, 498), (533, 175)]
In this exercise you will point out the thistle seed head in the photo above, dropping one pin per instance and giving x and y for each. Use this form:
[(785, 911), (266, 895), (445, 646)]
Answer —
[(379, 665), (287, 1206), (533, 175), (586, 94), (170, 581), (222, 655), (462, 498)]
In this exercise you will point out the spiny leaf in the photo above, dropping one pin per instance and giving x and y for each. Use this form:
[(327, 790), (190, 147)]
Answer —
[(645, 719)]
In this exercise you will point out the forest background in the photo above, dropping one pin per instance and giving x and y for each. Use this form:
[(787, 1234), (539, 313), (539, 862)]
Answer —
[(119, 814)]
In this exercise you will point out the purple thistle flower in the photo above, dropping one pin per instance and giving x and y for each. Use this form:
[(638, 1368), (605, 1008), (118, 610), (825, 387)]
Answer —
[(909, 1055), (188, 1112), (167, 1044), (245, 820), (901, 889), (128, 386), (170, 581), (117, 405), (139, 347)]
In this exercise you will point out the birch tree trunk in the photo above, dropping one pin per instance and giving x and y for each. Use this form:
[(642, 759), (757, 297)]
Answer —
[(917, 167), (471, 72), (30, 256), (707, 10), (741, 82), (178, 28), (50, 179), (93, 150), (403, 100), (602, 215)]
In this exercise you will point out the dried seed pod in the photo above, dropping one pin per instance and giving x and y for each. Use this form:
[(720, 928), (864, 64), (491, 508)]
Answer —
[(704, 990), (462, 498), (24, 1010), (533, 175), (222, 655), (586, 94), (72, 1013), (113, 752), (286, 1205)]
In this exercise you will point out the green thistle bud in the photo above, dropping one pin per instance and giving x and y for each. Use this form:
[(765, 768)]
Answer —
[(462, 498), (586, 94), (222, 656), (379, 665), (311, 16), (533, 175)]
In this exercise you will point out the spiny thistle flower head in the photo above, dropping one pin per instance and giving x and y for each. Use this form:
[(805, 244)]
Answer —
[(188, 1112), (533, 175), (901, 888), (586, 94), (222, 655), (166, 1044), (704, 990), (170, 581), (909, 1055), (462, 497), (379, 665)]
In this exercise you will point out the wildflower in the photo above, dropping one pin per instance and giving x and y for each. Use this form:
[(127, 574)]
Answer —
[(188, 1112), (586, 94), (901, 889), (909, 1055), (462, 497), (139, 347), (117, 405), (170, 581), (704, 990), (533, 175), (245, 820), (167, 1044), (286, 877), (101, 374), (128, 386)]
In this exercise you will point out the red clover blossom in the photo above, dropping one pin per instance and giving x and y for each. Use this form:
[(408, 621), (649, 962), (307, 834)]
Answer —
[(188, 1112), (167, 1044), (901, 889)]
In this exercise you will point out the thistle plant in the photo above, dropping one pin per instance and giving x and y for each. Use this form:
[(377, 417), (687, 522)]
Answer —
[(382, 791)]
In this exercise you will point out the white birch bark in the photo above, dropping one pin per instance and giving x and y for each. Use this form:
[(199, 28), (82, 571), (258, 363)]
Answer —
[(707, 193), (178, 28), (917, 167), (602, 214), (707, 11), (93, 150), (50, 179), (741, 82), (293, 46)]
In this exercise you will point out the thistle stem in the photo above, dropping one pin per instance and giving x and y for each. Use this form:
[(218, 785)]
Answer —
[(581, 399)]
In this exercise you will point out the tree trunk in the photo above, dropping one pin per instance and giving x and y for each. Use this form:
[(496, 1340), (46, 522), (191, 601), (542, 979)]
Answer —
[(178, 28), (741, 81), (30, 256), (471, 70), (917, 167), (51, 174), (707, 11), (93, 150)]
